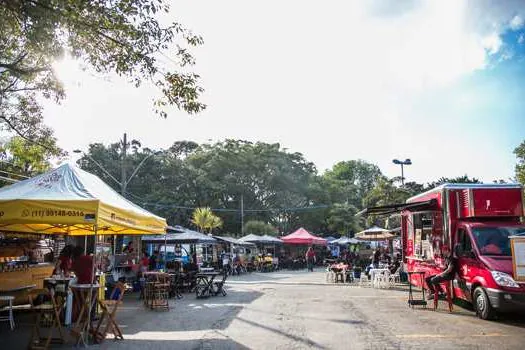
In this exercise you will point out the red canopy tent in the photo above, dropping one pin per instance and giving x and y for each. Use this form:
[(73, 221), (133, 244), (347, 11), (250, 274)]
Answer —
[(301, 236)]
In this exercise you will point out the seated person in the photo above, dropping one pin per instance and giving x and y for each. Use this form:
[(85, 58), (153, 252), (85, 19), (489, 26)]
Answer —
[(433, 282), (144, 262), (395, 264)]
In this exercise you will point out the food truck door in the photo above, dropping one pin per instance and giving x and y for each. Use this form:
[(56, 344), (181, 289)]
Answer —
[(467, 263)]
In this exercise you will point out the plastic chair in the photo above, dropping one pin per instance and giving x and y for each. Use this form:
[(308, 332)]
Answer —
[(448, 296), (395, 277), (9, 308), (363, 280)]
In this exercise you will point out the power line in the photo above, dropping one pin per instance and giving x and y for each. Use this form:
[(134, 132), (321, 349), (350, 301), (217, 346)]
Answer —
[(172, 206)]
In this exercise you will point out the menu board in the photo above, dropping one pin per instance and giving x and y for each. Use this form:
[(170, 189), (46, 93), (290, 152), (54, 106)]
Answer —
[(518, 258)]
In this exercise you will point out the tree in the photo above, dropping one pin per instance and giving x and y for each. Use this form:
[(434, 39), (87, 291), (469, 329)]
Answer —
[(520, 165), (455, 180), (119, 36), (204, 219), (342, 219), (20, 159), (259, 228), (350, 181)]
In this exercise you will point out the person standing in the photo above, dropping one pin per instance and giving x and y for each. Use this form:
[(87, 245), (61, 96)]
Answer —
[(310, 258), (82, 266)]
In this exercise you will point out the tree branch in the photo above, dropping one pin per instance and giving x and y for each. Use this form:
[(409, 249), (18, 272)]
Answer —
[(22, 71), (19, 133)]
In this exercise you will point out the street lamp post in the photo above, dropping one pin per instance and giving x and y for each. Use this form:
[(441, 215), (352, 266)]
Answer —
[(402, 163)]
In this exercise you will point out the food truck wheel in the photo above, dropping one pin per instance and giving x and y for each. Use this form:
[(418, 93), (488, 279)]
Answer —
[(484, 310)]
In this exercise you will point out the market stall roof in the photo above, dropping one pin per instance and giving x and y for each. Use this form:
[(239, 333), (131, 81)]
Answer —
[(374, 234), (301, 236), (186, 237), (70, 201), (396, 208), (232, 240), (273, 240), (330, 239), (252, 238), (345, 241)]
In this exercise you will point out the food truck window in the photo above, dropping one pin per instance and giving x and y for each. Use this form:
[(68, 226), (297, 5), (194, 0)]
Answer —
[(423, 225), (464, 241)]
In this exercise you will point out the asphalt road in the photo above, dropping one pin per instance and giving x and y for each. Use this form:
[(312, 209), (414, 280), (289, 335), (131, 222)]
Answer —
[(298, 310)]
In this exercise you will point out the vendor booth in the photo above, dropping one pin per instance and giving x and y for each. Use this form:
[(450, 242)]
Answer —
[(66, 201)]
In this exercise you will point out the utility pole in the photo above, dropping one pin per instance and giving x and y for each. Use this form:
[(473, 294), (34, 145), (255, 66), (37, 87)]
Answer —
[(242, 215), (123, 179), (123, 186)]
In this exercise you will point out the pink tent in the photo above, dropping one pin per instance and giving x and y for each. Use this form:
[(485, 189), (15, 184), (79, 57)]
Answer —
[(301, 236)]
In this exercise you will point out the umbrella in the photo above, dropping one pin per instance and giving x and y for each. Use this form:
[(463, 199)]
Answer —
[(345, 241), (252, 239), (272, 239), (374, 234), (188, 237)]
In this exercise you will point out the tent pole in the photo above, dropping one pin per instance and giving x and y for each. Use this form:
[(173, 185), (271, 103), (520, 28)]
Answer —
[(90, 296), (85, 245), (165, 252)]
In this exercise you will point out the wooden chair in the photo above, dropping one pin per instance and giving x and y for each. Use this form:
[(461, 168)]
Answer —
[(109, 310), (42, 312), (160, 292), (448, 293)]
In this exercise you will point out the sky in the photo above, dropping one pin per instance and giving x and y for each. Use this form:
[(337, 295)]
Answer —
[(439, 82)]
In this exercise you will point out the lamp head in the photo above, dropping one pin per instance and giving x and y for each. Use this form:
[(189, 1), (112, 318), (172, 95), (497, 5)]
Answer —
[(77, 151), (408, 162), (395, 161)]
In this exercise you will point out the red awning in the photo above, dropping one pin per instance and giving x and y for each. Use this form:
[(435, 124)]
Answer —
[(301, 236)]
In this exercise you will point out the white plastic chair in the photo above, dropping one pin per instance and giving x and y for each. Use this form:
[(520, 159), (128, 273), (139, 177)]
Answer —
[(382, 280), (395, 277), (364, 281), (330, 275)]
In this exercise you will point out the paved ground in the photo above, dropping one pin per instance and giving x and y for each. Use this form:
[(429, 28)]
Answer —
[(297, 310)]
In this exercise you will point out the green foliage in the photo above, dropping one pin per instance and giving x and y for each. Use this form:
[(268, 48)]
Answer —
[(120, 36), (204, 219), (341, 219), (25, 159), (520, 165), (456, 180), (259, 228), (278, 188)]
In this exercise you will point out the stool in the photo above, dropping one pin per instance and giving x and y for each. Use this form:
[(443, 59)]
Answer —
[(9, 309), (448, 292)]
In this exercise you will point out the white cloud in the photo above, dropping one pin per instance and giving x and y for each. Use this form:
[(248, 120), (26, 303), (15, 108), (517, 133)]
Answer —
[(335, 80), (516, 22)]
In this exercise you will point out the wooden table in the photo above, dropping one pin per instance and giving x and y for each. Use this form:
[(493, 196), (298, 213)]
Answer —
[(87, 294)]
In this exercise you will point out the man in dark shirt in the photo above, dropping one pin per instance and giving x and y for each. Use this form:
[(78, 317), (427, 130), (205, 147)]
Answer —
[(447, 275)]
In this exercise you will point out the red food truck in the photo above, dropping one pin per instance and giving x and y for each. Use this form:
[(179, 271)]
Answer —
[(475, 221)]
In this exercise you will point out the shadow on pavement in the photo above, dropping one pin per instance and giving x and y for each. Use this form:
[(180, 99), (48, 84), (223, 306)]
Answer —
[(305, 341), (189, 321)]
